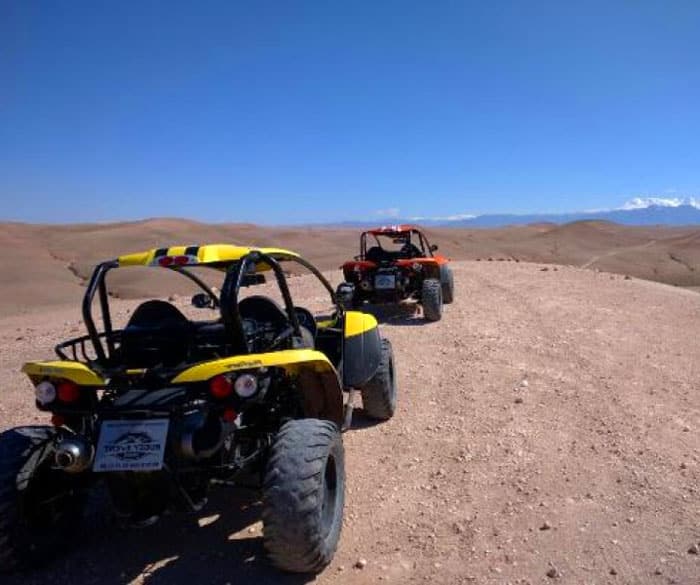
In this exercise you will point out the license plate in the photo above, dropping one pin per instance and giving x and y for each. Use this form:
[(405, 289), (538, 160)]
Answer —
[(131, 445), (385, 281)]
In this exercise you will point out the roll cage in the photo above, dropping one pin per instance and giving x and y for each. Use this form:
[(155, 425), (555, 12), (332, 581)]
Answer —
[(103, 342), (412, 235)]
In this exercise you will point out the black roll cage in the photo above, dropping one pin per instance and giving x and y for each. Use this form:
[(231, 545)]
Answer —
[(425, 245), (227, 303)]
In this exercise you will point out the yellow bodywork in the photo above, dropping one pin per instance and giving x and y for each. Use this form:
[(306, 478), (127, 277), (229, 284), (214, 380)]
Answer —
[(216, 254), (320, 386), (292, 360), (67, 370), (357, 323), (289, 359)]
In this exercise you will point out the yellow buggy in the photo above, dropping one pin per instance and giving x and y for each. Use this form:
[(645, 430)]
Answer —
[(167, 406)]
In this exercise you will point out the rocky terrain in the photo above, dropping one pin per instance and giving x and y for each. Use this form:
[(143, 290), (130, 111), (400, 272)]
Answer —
[(548, 431)]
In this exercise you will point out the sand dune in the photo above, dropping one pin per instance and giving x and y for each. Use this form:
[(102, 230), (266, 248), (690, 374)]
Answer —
[(48, 264)]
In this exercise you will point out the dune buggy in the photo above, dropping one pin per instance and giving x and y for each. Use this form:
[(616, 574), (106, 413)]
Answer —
[(168, 406), (398, 263)]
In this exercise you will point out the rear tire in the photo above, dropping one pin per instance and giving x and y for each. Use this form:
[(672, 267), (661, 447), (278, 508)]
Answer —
[(379, 394), (448, 284), (431, 297), (40, 508), (304, 495)]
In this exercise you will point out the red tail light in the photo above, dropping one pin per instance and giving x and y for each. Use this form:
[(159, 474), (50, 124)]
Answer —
[(229, 415), (57, 420), (68, 391), (165, 261), (220, 387)]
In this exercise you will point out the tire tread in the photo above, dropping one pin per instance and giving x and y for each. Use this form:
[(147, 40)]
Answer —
[(293, 491), (379, 394), (431, 298)]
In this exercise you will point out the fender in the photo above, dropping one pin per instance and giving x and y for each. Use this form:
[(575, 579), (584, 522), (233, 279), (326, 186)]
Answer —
[(76, 372), (430, 267), (318, 379), (362, 348), (444, 272), (354, 268)]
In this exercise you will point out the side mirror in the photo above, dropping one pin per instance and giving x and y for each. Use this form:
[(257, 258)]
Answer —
[(203, 301), (344, 294), (433, 247)]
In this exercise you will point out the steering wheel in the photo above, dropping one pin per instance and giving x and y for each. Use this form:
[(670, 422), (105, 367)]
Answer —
[(307, 327), (262, 309), (410, 250)]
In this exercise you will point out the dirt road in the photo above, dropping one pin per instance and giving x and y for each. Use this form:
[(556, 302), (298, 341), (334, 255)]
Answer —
[(595, 259), (548, 432)]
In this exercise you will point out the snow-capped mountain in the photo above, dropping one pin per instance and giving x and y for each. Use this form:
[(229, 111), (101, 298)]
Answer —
[(636, 211), (645, 202)]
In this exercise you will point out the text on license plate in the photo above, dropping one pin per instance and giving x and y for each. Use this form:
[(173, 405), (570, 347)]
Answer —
[(385, 281), (131, 445)]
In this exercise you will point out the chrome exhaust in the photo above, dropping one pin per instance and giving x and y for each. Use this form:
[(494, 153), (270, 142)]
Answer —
[(73, 454)]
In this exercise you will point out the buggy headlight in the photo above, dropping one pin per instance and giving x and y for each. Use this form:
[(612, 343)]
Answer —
[(45, 392), (246, 385)]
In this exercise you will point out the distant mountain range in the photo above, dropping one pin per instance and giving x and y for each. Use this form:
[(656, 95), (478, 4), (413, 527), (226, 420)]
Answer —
[(638, 211), (652, 215)]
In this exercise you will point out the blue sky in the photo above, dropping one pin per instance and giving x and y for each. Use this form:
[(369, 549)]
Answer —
[(321, 111)]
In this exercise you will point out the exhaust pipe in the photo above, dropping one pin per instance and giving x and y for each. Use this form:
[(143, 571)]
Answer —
[(73, 454), (201, 436)]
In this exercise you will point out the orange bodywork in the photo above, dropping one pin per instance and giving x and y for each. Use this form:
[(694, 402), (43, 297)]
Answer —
[(362, 264), (403, 262)]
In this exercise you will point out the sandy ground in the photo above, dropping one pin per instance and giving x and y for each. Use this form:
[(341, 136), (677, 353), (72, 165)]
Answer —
[(547, 432)]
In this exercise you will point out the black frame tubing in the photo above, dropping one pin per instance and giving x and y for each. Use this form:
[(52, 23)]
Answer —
[(227, 302)]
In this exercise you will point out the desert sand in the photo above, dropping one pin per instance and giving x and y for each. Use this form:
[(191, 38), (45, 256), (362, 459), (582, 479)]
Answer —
[(46, 265), (547, 431)]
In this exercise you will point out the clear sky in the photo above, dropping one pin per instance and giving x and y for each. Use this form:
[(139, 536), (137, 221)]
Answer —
[(296, 111)]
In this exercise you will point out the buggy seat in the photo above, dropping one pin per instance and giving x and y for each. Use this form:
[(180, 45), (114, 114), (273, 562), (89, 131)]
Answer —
[(157, 333)]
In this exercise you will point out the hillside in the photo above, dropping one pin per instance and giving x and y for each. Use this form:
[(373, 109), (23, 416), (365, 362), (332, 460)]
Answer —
[(48, 264)]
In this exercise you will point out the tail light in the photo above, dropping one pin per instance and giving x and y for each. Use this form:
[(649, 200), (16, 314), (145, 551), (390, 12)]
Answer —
[(229, 415), (176, 260), (68, 391), (220, 387), (58, 420)]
